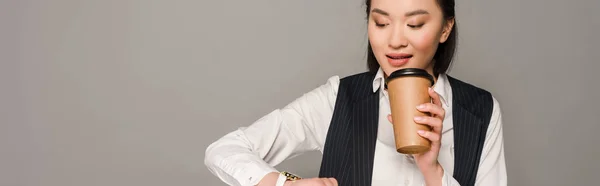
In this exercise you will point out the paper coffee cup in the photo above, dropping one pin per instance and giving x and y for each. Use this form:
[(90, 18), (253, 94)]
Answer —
[(408, 88)]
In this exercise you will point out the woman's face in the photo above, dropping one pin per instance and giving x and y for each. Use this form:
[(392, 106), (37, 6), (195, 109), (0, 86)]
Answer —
[(406, 33)]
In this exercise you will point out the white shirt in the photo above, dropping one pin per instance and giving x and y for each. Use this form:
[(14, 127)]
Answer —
[(245, 156)]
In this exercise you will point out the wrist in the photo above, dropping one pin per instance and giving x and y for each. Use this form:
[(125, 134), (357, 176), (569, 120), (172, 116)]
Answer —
[(278, 179), (433, 176), (288, 179), (281, 180), (269, 179), (288, 183)]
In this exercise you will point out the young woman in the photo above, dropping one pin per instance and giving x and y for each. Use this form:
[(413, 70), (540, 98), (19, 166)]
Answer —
[(348, 119)]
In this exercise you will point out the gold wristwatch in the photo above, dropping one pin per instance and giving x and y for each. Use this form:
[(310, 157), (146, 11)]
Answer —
[(290, 176)]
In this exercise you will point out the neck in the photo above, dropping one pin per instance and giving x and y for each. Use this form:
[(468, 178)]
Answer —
[(429, 70)]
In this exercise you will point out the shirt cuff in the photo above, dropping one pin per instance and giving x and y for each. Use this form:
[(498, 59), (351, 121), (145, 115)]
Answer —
[(448, 180), (253, 172)]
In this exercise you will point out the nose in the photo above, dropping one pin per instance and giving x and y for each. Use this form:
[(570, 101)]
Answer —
[(397, 38)]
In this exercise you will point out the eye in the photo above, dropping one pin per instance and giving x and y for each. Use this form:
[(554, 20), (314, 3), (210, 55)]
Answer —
[(380, 25), (415, 26)]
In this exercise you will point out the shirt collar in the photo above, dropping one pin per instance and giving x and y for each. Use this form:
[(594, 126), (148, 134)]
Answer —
[(441, 86), (378, 82)]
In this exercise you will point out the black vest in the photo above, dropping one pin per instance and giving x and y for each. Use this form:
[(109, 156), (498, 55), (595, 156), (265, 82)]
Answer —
[(350, 144)]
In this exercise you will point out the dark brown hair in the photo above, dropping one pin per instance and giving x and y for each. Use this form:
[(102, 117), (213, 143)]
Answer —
[(445, 51)]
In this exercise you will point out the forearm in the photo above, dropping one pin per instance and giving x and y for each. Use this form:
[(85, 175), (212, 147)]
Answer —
[(246, 156), (234, 163)]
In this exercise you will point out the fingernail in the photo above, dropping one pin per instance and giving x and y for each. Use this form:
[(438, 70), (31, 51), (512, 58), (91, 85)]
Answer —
[(421, 132), (421, 107), (418, 118)]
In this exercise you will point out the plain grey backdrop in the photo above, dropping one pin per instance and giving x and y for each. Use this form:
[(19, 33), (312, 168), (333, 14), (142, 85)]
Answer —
[(131, 92)]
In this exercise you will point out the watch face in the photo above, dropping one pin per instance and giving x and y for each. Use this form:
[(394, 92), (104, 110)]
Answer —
[(290, 176)]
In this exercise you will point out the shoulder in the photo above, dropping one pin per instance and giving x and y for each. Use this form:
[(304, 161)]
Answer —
[(466, 90), (357, 86), (360, 78), (476, 100), (336, 84), (357, 78)]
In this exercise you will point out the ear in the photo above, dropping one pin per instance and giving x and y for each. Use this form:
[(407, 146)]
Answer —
[(446, 30)]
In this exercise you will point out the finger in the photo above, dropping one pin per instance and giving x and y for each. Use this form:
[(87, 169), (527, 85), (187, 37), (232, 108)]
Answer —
[(433, 137), (435, 97), (334, 181), (326, 182), (433, 122), (433, 109), (389, 117)]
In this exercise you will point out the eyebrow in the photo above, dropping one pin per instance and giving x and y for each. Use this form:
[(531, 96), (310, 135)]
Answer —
[(377, 10), (416, 12), (408, 14)]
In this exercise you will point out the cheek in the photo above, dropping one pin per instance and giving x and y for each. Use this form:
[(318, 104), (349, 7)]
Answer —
[(379, 43), (377, 39), (425, 42)]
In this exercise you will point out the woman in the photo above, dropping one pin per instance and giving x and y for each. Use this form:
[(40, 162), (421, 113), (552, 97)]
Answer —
[(348, 119)]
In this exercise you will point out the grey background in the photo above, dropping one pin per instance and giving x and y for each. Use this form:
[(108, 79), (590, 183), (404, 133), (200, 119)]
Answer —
[(125, 92)]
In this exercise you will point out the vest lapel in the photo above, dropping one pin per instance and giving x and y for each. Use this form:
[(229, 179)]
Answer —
[(472, 110), (364, 124), (467, 130), (349, 149)]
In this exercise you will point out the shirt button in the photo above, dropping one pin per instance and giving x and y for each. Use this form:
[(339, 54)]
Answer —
[(410, 158)]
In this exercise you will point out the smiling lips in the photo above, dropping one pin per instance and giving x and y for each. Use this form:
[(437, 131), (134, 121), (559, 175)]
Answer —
[(398, 59)]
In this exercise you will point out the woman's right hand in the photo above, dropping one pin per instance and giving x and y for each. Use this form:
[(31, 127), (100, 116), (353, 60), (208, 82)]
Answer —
[(312, 182)]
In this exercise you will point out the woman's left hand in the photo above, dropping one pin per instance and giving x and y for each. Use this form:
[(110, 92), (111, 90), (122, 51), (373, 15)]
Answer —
[(428, 161)]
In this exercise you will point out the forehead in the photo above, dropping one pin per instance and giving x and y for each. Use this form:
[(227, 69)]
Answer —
[(399, 7)]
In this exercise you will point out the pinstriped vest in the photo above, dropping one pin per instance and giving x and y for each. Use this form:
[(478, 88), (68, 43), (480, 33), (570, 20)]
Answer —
[(349, 148)]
